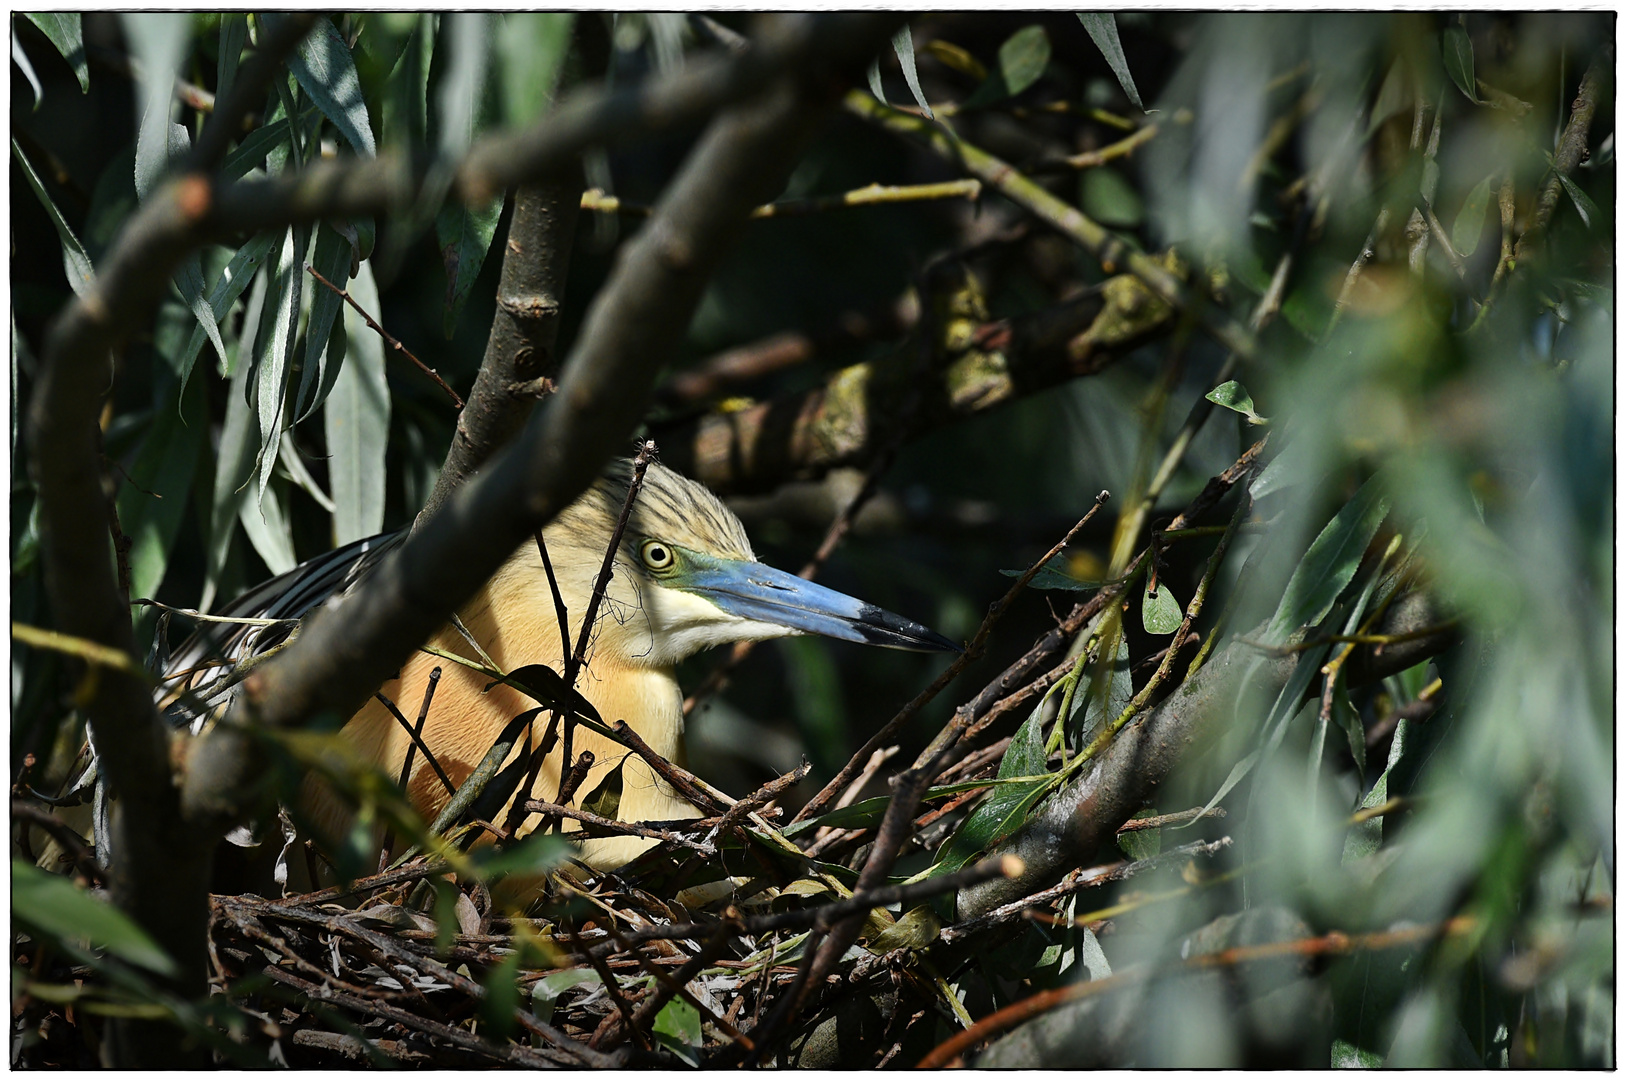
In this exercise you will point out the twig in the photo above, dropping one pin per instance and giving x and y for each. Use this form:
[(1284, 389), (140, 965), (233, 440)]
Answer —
[(611, 988), (677, 984), (457, 402), (1091, 159), (199, 616), (615, 828), (1571, 148), (1077, 881), (640, 465), (416, 734), (366, 884), (1182, 818), (89, 651), (1332, 944), (972, 652), (74, 845), (869, 195), (762, 797), (685, 782), (412, 749), (1068, 220)]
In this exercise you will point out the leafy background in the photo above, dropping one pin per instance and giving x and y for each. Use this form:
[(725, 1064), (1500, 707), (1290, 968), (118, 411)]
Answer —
[(1455, 408)]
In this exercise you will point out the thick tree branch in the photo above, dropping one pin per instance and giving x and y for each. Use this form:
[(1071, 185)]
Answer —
[(519, 351), (848, 419), (345, 651), (1571, 147), (1077, 821)]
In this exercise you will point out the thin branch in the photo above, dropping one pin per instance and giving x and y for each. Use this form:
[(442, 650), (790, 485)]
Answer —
[(605, 826), (416, 735), (869, 195), (457, 402), (1572, 146), (684, 782), (1335, 943)]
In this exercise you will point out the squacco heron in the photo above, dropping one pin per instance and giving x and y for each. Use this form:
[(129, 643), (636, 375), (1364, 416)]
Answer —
[(684, 579)]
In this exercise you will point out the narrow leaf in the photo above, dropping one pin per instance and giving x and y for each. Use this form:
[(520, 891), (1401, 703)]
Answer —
[(1583, 203), (64, 30), (547, 990), (904, 46), (530, 55), (234, 458), (327, 72), (1103, 30), (465, 235), (1458, 52), (874, 75), (1330, 562), (1470, 223), (1391, 97), (331, 258), (1238, 771), (20, 58), (1023, 58), (152, 501), (464, 83), (274, 347), (189, 280), (1159, 611), (233, 36), (75, 261), (1025, 756), (53, 905), (158, 40), (1002, 813), (357, 419), (233, 280)]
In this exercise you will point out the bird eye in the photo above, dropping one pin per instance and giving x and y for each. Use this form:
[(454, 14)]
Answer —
[(657, 556)]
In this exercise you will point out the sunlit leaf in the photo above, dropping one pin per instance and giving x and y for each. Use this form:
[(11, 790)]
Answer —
[(159, 41), (1103, 30), (327, 72), (63, 28), (54, 906), (1053, 575), (274, 347), (1457, 50), (1025, 756), (678, 1022), (236, 276), (20, 58), (357, 419), (463, 86), (904, 46), (1159, 611), (1003, 812), (1234, 396), (546, 991), (1470, 223), (331, 257), (233, 36)]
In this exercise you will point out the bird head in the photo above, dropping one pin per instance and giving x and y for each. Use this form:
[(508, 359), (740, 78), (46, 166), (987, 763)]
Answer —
[(686, 579)]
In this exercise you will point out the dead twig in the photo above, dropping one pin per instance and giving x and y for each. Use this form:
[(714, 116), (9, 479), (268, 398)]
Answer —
[(457, 402)]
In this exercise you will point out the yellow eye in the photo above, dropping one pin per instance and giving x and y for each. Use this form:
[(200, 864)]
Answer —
[(656, 555)]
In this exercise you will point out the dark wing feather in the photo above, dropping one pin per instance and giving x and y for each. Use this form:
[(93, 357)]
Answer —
[(199, 677)]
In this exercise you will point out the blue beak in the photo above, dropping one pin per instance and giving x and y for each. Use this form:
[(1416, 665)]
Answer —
[(763, 594)]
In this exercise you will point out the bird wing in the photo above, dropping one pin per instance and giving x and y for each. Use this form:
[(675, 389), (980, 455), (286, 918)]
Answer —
[(200, 675)]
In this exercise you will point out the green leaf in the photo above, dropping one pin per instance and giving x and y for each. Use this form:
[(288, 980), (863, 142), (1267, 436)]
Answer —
[(233, 280), (20, 58), (267, 527), (1103, 30), (233, 459), (1470, 223), (546, 686), (331, 258), (680, 1022), (605, 799), (76, 264), (1366, 838), (1110, 199), (548, 989), (63, 28), (1391, 97), (1002, 813), (1159, 611), (1458, 52), (1238, 771), (904, 46), (152, 501), (1344, 714), (465, 234), (1234, 396), (463, 86), (53, 906), (1141, 843), (233, 36), (1110, 690), (502, 996), (1583, 203), (874, 76), (1022, 60), (532, 855), (1025, 756), (531, 53), (277, 135), (189, 280), (1053, 575), (158, 40), (1330, 562), (869, 811), (274, 347), (357, 419), (1348, 1056), (327, 72)]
